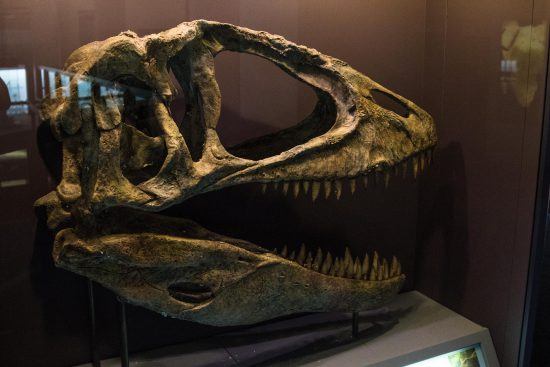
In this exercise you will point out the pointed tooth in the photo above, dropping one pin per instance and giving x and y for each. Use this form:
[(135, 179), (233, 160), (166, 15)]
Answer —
[(296, 188), (338, 267), (421, 162), (427, 160), (398, 268), (405, 168), (301, 255), (305, 185), (373, 273), (357, 272), (292, 255), (374, 267), (365, 267), (309, 260), (350, 273), (285, 187), (264, 187), (393, 269), (333, 268), (338, 188), (275, 251), (318, 261), (349, 269), (347, 257), (396, 169), (341, 271), (275, 185), (385, 268), (284, 251), (327, 188), (315, 187), (352, 184), (327, 264), (381, 272), (386, 179), (366, 181), (415, 166)]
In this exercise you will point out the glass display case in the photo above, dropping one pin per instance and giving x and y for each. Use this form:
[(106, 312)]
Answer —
[(325, 178)]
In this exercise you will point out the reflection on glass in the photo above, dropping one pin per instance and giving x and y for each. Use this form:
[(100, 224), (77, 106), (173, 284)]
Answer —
[(15, 155), (12, 172), (16, 82), (523, 59), (84, 89), (13, 183), (57, 83), (466, 357)]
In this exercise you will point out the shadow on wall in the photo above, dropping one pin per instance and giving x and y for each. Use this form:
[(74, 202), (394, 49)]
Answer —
[(441, 262), (63, 295)]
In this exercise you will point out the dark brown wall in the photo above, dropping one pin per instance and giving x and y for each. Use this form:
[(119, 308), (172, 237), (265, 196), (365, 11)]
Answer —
[(462, 230), (477, 202)]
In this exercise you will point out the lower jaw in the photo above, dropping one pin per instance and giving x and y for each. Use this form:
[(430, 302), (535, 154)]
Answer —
[(300, 282), (258, 299)]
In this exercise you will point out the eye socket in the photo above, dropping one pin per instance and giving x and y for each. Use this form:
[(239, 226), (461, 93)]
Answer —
[(137, 104), (389, 102), (142, 149)]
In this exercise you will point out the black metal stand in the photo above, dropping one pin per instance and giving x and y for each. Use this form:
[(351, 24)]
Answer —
[(355, 325), (124, 358), (96, 362)]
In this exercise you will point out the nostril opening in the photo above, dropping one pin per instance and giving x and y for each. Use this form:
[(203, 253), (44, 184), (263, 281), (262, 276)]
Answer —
[(390, 103)]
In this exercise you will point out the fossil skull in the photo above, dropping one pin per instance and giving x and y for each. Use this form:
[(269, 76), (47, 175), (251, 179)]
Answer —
[(118, 173)]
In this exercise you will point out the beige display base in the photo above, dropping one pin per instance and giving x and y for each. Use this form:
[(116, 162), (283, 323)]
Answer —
[(410, 329)]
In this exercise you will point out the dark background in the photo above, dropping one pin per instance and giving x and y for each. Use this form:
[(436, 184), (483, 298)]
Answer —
[(462, 229)]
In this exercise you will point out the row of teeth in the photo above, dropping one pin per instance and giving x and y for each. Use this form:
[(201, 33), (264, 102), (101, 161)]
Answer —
[(346, 267), (419, 163)]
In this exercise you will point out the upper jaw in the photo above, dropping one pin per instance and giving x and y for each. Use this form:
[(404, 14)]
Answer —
[(364, 137), (364, 148)]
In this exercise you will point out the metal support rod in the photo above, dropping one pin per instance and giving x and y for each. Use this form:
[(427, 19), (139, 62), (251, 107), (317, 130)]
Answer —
[(93, 336), (124, 359), (355, 325)]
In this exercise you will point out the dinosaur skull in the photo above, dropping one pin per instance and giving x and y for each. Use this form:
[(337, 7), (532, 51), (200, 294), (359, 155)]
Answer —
[(118, 173)]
